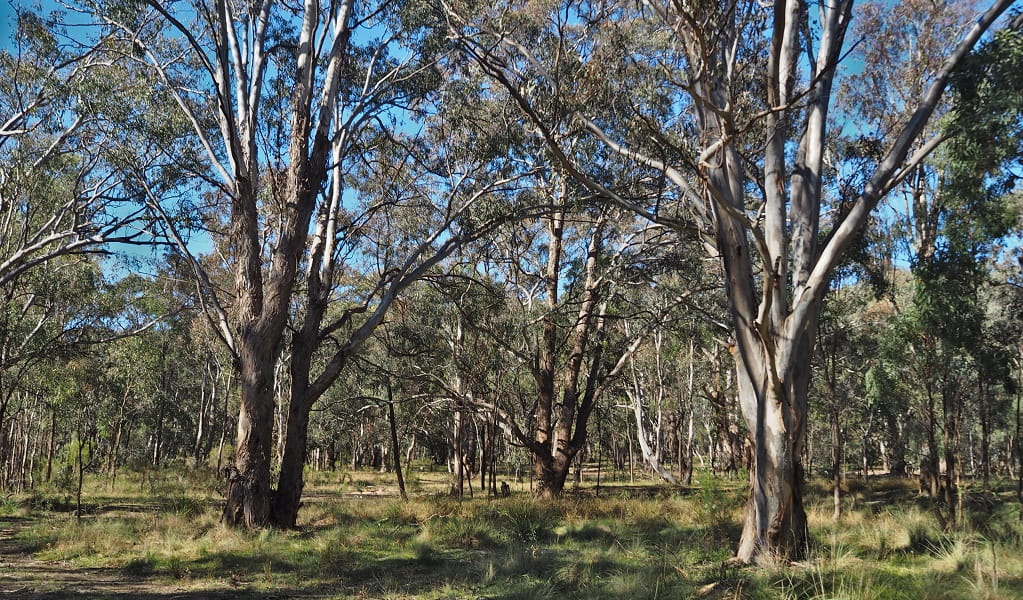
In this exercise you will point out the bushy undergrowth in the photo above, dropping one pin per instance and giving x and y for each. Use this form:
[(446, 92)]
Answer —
[(621, 544)]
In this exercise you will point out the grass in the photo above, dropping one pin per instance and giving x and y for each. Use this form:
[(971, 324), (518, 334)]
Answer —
[(356, 540)]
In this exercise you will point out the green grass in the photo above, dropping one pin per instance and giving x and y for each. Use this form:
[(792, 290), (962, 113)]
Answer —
[(355, 540)]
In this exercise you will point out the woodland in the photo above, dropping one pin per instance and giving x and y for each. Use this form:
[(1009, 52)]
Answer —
[(540, 298)]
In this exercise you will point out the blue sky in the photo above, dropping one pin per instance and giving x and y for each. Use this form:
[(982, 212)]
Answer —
[(6, 23)]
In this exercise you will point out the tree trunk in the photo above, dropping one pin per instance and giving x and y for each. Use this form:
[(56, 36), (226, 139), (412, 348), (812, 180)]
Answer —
[(484, 434), (248, 482), (51, 444), (632, 464), (494, 433), (288, 498), (951, 406), (985, 426), (837, 457), (551, 480), (929, 476), (896, 447), (81, 474), (114, 446), (775, 527), (158, 443), (649, 456), (1019, 447), (26, 436), (207, 406), (395, 449), (686, 468), (687, 476), (864, 457), (457, 441)]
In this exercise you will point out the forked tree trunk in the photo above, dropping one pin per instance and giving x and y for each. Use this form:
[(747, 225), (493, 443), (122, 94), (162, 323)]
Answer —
[(554, 472), (649, 455), (775, 526)]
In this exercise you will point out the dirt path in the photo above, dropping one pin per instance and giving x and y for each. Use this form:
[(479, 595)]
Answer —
[(26, 578)]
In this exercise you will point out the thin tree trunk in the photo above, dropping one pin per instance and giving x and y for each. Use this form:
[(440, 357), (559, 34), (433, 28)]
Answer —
[(985, 452), (644, 446), (26, 441), (687, 475), (158, 443), (458, 475), (1019, 446), (932, 479), (51, 444), (599, 453), (495, 433), (484, 434), (81, 474), (224, 423), (837, 458), (632, 466), (396, 450)]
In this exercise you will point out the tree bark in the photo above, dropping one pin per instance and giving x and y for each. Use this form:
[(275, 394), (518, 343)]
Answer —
[(458, 453), (985, 442), (649, 456), (837, 457), (1018, 454), (287, 498), (81, 472), (775, 527), (248, 484), (51, 444), (395, 448)]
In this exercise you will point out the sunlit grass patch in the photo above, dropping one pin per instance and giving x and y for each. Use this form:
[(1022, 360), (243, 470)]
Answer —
[(625, 543)]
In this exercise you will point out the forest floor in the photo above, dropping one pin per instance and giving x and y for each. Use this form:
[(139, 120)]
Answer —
[(161, 538)]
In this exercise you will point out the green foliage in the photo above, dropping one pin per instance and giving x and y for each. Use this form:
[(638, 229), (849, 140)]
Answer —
[(979, 193), (986, 129)]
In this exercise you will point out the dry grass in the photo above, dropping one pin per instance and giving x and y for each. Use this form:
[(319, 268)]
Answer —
[(356, 539)]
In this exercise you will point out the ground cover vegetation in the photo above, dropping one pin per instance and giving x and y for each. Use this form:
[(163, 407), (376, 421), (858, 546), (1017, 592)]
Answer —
[(502, 264), (164, 537)]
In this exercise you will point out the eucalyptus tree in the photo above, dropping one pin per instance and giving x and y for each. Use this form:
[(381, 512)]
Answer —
[(649, 385), (846, 347), (61, 181), (663, 385), (565, 283), (727, 103), (978, 208), (62, 198), (314, 128)]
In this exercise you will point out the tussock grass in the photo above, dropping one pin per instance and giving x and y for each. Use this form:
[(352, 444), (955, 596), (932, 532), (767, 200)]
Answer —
[(356, 539)]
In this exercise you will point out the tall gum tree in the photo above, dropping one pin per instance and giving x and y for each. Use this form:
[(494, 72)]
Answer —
[(63, 201), (304, 119), (731, 111)]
